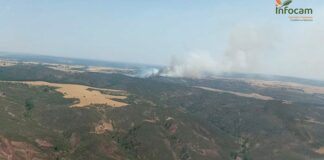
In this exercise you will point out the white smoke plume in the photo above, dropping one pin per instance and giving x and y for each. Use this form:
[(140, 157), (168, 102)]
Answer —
[(196, 65), (248, 48), (147, 72), (244, 53)]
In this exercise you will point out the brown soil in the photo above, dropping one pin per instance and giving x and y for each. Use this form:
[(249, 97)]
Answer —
[(43, 143), (210, 153), (74, 142), (14, 150)]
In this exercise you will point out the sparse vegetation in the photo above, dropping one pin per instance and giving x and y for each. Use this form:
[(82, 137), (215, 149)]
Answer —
[(29, 104)]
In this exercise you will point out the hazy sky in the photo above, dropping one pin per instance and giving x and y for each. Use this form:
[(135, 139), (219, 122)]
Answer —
[(246, 34)]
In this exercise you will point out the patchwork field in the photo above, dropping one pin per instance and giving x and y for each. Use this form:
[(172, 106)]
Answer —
[(85, 95)]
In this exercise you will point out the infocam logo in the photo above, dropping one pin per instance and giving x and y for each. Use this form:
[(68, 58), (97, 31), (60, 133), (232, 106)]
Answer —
[(294, 14)]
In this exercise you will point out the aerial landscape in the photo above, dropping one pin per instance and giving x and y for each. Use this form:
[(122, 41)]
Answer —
[(151, 80), (75, 113)]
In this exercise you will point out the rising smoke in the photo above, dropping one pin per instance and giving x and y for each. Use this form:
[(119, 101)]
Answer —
[(262, 50), (196, 65), (245, 52)]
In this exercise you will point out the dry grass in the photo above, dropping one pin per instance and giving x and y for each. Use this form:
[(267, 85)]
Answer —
[(107, 70), (86, 95), (288, 85), (250, 95), (152, 120), (103, 126), (7, 63), (320, 150), (43, 143), (65, 67), (2, 94), (30, 62), (312, 120)]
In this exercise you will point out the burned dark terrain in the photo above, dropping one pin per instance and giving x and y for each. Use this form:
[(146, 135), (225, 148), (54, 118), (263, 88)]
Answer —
[(230, 117)]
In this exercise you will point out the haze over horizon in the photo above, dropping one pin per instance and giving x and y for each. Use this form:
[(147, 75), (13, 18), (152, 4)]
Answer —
[(209, 36)]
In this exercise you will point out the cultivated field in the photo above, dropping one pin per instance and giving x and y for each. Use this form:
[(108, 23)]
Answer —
[(84, 94)]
